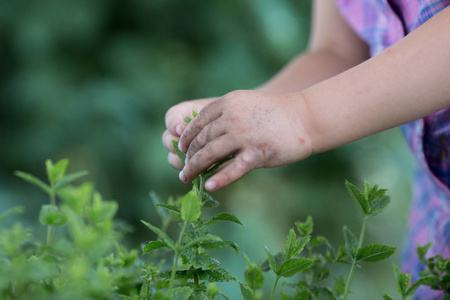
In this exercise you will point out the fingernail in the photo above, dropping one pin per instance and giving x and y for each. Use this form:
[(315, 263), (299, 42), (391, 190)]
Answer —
[(182, 176), (186, 160), (178, 129), (180, 147), (210, 185)]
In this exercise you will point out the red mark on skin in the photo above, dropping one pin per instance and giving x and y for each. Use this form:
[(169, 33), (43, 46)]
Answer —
[(301, 140)]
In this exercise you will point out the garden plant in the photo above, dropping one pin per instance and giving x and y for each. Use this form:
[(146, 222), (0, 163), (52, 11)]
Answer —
[(83, 256)]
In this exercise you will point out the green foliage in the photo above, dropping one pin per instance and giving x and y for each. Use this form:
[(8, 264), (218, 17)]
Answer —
[(83, 258)]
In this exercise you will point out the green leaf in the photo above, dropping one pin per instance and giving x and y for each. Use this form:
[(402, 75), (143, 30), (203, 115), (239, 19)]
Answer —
[(403, 280), (426, 280), (198, 260), (318, 241), (33, 180), (56, 172), (220, 244), (386, 297), (50, 215), (351, 243), (153, 246), (11, 212), (379, 205), (305, 228), (339, 285), (422, 251), (293, 266), (203, 239), (69, 178), (187, 120), (173, 208), (216, 275), (194, 113), (245, 292), (294, 246), (358, 197), (209, 202), (272, 263), (224, 217), (375, 252), (253, 277), (161, 234), (180, 154), (190, 207), (181, 293)]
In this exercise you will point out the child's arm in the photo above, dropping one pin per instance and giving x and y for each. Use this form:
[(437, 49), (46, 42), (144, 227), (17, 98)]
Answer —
[(333, 48), (407, 81)]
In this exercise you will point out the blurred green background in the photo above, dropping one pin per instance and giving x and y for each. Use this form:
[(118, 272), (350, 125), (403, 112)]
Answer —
[(91, 81)]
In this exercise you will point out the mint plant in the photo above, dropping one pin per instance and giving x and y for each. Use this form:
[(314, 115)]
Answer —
[(82, 256)]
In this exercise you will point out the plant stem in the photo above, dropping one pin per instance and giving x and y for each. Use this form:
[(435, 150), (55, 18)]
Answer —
[(274, 287), (177, 254), (50, 228), (354, 262)]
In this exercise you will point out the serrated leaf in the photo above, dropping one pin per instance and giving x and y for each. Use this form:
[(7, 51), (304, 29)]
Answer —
[(161, 234), (272, 263), (427, 280), (254, 277), (153, 246), (403, 280), (422, 251), (293, 266), (209, 202), (50, 215), (351, 243), (358, 197), (290, 243), (173, 208), (181, 293), (194, 113), (11, 212), (245, 292), (379, 205), (190, 207), (180, 154), (224, 217), (187, 120), (198, 260), (318, 241), (220, 244), (375, 252), (305, 228), (55, 172), (202, 239), (216, 275), (66, 180), (34, 180), (339, 285), (386, 297)]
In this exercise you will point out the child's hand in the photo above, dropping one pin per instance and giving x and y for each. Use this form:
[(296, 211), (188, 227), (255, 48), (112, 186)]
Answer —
[(176, 124), (257, 128)]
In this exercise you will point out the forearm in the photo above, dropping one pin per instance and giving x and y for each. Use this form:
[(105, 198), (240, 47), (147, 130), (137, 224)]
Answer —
[(408, 81), (306, 70)]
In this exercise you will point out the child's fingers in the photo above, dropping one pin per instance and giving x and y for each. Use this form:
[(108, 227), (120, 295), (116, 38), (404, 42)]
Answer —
[(208, 114), (167, 138), (234, 169), (208, 133), (214, 152), (175, 161), (175, 120)]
